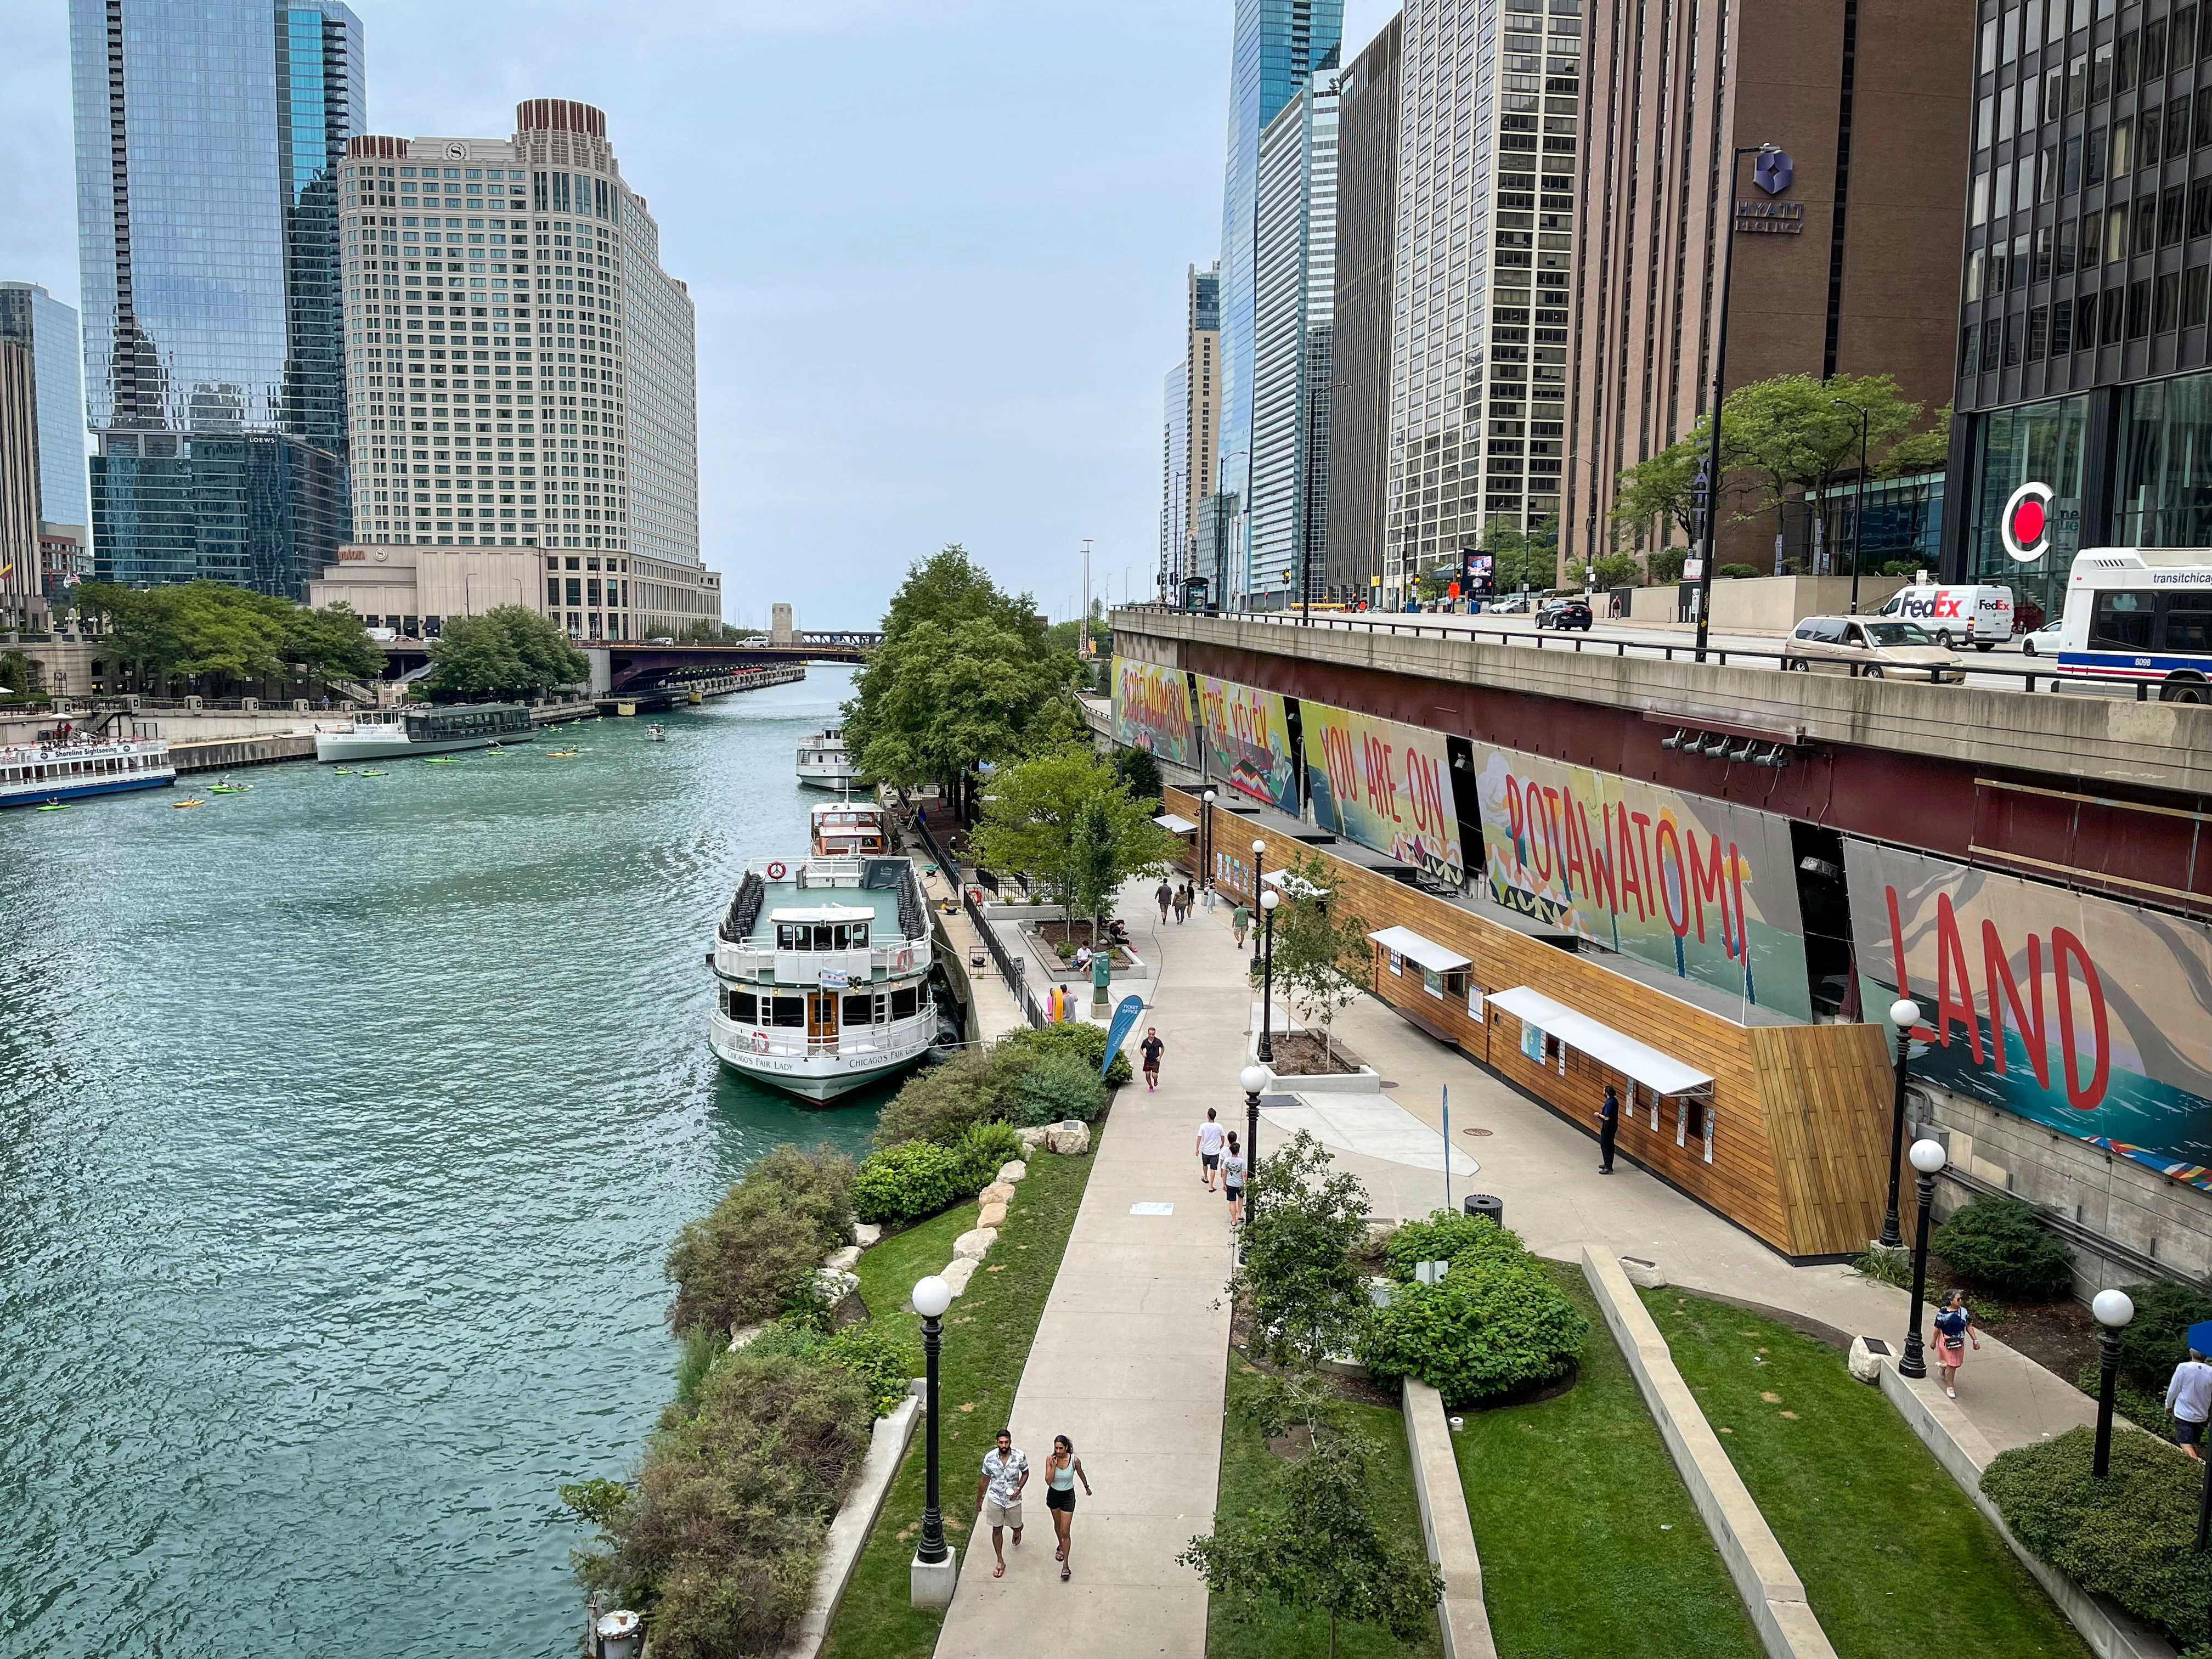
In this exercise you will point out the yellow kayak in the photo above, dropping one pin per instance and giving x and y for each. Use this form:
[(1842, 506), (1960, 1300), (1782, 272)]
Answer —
[(181, 804)]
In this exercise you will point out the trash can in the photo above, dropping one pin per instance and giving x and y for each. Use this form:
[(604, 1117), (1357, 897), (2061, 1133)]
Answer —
[(1484, 1204)]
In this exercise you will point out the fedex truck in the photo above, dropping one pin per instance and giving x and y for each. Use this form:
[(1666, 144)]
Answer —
[(1956, 614)]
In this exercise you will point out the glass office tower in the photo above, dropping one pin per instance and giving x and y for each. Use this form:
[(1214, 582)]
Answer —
[(207, 138)]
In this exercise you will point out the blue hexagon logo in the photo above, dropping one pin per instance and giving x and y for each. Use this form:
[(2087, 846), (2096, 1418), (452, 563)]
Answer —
[(1773, 171)]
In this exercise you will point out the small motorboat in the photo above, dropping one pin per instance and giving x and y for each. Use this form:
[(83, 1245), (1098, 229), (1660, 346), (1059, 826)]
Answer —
[(190, 800), (656, 733)]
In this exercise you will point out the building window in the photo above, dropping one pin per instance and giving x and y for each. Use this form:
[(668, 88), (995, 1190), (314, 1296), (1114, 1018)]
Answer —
[(2061, 328), (2138, 308), (2164, 475), (2042, 442), (2167, 310)]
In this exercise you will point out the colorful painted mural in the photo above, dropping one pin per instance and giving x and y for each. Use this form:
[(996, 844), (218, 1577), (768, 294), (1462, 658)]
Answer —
[(2086, 1015), (1151, 710), (1386, 786), (1248, 739)]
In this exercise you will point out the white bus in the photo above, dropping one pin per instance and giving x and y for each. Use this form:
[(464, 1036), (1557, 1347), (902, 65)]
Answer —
[(2141, 613)]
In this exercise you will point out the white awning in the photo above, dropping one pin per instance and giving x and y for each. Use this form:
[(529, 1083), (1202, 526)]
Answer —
[(1169, 822), (1657, 1072), (1296, 886), (1426, 952)]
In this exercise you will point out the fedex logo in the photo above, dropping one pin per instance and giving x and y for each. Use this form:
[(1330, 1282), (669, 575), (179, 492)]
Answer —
[(1936, 604)]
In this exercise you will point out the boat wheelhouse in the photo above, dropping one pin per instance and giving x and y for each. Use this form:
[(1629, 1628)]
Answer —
[(822, 975), (823, 763), (848, 830), (402, 731), (31, 775)]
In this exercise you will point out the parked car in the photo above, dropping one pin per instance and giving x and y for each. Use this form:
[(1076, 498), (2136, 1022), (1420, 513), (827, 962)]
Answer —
[(2043, 643), (1976, 614), (1562, 614), (1513, 604), (1869, 646)]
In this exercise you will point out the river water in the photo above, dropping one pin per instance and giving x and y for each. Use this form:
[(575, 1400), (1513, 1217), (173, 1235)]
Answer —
[(343, 1128)]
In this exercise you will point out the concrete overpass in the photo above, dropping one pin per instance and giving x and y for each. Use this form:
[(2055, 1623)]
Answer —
[(645, 669)]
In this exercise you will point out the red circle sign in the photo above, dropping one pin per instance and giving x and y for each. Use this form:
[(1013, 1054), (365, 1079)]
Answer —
[(2027, 522), (2025, 526)]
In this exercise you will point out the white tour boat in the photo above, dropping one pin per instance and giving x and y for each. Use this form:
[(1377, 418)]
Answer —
[(823, 763), (34, 774), (822, 973), (848, 830), (399, 733)]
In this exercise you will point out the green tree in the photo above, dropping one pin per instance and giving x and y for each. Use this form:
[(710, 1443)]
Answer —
[(1315, 1544), (510, 651), (1139, 775), (1308, 1295), (1920, 452), (1066, 822), (1320, 953), (1661, 494), (17, 672), (1797, 435), (331, 644), (1619, 570)]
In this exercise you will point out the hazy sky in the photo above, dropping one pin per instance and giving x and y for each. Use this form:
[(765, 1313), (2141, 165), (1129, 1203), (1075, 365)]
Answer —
[(937, 249)]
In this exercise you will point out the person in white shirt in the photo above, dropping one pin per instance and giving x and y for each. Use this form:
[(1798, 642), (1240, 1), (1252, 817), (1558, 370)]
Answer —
[(2189, 1401), (1209, 1149)]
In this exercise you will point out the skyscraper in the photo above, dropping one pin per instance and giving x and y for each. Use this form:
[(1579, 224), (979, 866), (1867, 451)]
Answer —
[(1193, 396), (1175, 479), (208, 137), (42, 475), (1277, 44), (1486, 150), (522, 370)]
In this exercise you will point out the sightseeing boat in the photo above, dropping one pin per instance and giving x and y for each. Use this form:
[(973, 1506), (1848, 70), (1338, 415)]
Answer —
[(848, 830), (823, 763), (38, 773), (822, 975), (396, 733)]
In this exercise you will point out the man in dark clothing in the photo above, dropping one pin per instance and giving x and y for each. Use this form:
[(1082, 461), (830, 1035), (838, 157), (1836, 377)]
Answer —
[(1609, 1126)]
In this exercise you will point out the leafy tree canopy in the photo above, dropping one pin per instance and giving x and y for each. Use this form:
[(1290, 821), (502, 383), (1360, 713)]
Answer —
[(1067, 822), (206, 628), (510, 651)]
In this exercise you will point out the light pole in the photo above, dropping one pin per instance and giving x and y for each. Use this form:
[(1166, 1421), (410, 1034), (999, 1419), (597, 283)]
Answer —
[(1905, 1014), (1858, 501), (1253, 1079), (1268, 901), (933, 1568), (1259, 886), (2113, 1311), (1720, 382), (1927, 1158), (1206, 842)]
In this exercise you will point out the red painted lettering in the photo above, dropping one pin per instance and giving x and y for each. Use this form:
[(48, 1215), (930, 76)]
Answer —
[(1708, 881), (1997, 974), (1577, 861), (2080, 1097), (1516, 821), (1624, 857), (1676, 890), (1950, 1004)]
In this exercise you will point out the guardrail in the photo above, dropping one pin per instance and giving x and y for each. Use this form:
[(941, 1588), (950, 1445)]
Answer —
[(1012, 971), (1668, 651)]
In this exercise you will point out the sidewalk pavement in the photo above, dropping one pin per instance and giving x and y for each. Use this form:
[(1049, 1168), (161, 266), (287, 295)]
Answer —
[(996, 1011), (1130, 1357)]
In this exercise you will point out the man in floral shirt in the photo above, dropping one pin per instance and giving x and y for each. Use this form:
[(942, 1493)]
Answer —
[(999, 1495)]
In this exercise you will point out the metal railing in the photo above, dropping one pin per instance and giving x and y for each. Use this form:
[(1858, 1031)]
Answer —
[(1661, 649)]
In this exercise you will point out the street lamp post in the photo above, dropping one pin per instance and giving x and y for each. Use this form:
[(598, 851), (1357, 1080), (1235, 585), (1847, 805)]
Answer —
[(1205, 842), (1252, 1079), (2113, 1311), (1259, 886), (1905, 1014), (1927, 1158), (1720, 382), (1268, 901), (932, 1572), (1858, 502)]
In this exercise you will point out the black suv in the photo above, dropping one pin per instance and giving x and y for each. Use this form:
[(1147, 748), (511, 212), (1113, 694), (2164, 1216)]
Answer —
[(1563, 614)]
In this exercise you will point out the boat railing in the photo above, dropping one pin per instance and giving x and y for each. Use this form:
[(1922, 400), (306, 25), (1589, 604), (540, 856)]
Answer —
[(805, 968)]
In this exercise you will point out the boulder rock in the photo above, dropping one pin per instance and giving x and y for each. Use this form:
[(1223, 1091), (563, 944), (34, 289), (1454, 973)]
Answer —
[(1034, 1137), (999, 1192), (866, 1233), (743, 1336), (1865, 1363), (958, 1273), (845, 1259), (976, 1243), (1643, 1273), (1011, 1173), (1070, 1139), (833, 1284), (992, 1217)]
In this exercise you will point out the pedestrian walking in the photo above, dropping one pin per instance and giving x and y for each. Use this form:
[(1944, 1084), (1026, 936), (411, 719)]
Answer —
[(1179, 904), (1233, 1180), (1151, 1049), (999, 1495), (1954, 1328), (1061, 1471), (1190, 902), (1210, 1139), (1609, 1126), (1206, 894), (2189, 1401), (1165, 896), (1239, 921)]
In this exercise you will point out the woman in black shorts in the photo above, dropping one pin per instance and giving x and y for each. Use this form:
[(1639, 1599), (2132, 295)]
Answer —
[(1233, 1180), (1061, 1471)]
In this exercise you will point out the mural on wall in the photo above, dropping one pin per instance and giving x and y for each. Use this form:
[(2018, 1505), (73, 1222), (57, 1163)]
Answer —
[(2084, 1014), (1700, 888), (1247, 734), (1151, 710), (1386, 786)]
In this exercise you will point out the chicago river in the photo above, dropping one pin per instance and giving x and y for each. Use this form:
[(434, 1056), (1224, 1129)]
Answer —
[(343, 1127)]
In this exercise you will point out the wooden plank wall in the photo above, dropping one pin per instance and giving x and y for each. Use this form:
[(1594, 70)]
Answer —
[(1793, 1107)]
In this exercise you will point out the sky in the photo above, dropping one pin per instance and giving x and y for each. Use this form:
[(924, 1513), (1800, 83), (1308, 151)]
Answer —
[(937, 251)]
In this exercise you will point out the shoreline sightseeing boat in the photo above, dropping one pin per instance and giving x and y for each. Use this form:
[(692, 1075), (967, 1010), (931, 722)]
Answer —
[(822, 975), (849, 829), (823, 763), (399, 733), (34, 774)]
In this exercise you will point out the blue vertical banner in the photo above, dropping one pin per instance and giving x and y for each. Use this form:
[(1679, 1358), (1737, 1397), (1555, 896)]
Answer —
[(1125, 1021)]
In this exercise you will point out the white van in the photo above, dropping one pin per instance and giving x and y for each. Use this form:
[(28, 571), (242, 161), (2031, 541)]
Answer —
[(1967, 614)]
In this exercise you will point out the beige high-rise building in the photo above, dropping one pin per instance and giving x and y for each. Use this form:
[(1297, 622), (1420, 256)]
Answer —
[(1192, 426)]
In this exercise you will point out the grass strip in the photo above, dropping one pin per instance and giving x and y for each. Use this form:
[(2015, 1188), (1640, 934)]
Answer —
[(987, 1342), (1279, 1632), (1589, 1540), (1895, 1558)]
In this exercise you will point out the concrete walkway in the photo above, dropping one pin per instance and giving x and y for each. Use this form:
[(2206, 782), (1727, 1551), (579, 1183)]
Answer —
[(1129, 1359)]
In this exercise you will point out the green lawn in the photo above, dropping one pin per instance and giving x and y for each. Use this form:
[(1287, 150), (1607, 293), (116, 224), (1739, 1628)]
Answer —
[(1589, 1541), (987, 1342), (1279, 1634), (1895, 1557)]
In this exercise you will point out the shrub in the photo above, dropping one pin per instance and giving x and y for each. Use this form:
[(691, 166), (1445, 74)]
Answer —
[(873, 1356), (1491, 1325), (2143, 1409), (754, 1253), (906, 1182), (2157, 1339), (941, 1103), (1307, 1294), (983, 1150), (1892, 1267), (1445, 1236), (1998, 1242), (1086, 1042), (2131, 1536), (1736, 571), (1058, 1087)]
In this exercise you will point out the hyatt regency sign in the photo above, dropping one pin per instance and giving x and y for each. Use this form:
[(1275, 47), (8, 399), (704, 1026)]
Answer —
[(1773, 173)]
